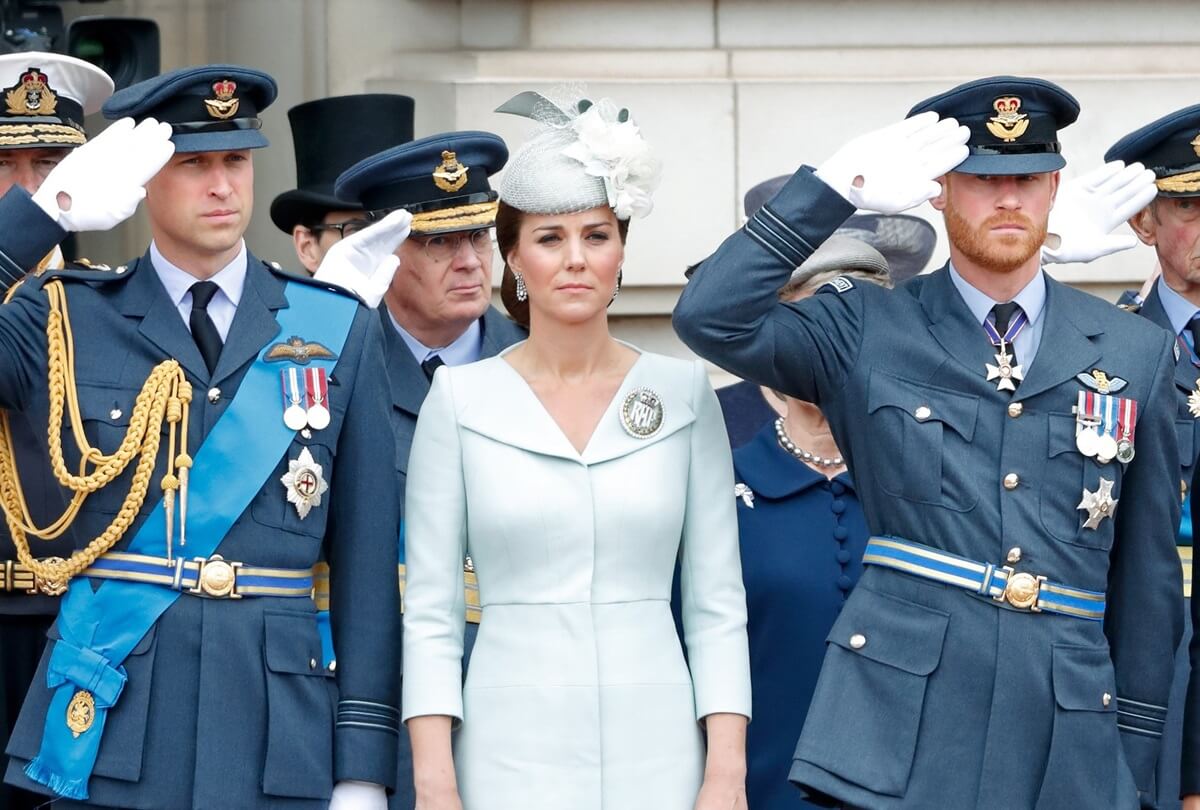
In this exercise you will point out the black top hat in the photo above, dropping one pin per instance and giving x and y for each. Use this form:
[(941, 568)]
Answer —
[(330, 136)]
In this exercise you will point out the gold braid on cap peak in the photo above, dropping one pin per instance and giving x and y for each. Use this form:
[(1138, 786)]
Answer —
[(479, 215), (32, 134), (166, 394), (1179, 183)]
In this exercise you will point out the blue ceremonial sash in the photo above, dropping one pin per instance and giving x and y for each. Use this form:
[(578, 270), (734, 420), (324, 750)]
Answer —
[(98, 628)]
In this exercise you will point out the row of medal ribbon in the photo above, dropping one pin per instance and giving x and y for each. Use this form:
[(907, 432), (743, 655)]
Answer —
[(305, 398), (1104, 426)]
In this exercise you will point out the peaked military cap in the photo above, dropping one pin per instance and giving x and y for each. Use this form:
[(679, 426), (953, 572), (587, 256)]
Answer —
[(330, 135), (1014, 123), (1170, 147), (46, 96), (442, 180), (211, 108)]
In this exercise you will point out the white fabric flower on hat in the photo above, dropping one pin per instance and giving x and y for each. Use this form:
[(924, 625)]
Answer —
[(610, 146)]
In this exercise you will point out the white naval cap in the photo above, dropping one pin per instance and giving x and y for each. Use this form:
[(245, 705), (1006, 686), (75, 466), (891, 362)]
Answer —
[(44, 97)]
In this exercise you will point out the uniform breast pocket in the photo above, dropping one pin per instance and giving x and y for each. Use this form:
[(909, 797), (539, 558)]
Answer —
[(917, 427), (106, 414), (1067, 475), (295, 497)]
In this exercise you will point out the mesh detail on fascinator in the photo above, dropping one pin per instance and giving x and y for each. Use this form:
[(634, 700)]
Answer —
[(583, 156)]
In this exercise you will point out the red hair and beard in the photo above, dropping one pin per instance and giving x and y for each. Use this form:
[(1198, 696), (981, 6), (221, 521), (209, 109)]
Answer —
[(1000, 253)]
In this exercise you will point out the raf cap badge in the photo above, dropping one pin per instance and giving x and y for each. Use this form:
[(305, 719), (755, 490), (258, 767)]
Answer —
[(298, 350), (1008, 124), (305, 483), (642, 413), (31, 95), (225, 105), (1099, 504), (450, 175), (1196, 145)]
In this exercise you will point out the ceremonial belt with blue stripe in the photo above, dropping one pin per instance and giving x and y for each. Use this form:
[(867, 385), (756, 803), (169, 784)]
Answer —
[(1021, 590), (213, 578)]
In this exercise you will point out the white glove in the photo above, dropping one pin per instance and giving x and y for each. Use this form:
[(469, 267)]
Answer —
[(365, 262), (351, 795), (99, 185), (1089, 207), (895, 168)]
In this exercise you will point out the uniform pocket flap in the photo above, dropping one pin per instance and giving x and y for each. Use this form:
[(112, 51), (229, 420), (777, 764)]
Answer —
[(1061, 438), (293, 645), (111, 406), (891, 631), (924, 403), (1084, 679)]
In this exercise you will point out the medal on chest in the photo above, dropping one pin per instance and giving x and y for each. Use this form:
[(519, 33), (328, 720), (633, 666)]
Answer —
[(1104, 426), (304, 482), (1099, 504), (305, 398), (1007, 372)]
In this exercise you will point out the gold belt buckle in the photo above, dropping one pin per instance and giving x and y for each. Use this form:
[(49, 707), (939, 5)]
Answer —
[(1021, 590), (216, 578)]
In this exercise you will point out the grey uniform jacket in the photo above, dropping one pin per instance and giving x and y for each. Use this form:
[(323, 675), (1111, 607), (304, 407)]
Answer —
[(955, 700), (409, 387), (226, 703)]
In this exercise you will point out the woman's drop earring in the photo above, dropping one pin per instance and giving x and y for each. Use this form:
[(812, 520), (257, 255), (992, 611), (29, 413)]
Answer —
[(522, 293)]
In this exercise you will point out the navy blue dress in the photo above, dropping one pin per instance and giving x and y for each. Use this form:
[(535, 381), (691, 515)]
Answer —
[(802, 544)]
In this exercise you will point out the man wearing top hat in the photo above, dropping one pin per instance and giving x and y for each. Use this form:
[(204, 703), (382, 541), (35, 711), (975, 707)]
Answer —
[(45, 97), (330, 135), (1170, 146), (437, 308), (1014, 447), (228, 439)]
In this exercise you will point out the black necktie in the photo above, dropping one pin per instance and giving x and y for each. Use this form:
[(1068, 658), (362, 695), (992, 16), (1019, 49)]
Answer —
[(1194, 327), (1004, 314), (432, 364), (204, 331)]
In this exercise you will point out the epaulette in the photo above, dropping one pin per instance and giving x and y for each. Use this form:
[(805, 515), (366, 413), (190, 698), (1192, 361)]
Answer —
[(304, 278), (84, 270)]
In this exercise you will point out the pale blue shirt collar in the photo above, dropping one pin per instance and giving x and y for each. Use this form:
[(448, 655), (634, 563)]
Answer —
[(1031, 298), (231, 280), (466, 348), (1179, 310)]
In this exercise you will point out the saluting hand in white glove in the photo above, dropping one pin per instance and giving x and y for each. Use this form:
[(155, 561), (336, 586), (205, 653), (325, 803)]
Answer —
[(365, 262), (895, 168), (1088, 208), (351, 795), (99, 185)]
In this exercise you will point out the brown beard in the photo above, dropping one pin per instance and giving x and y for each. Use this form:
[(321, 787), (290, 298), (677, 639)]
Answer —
[(998, 254)]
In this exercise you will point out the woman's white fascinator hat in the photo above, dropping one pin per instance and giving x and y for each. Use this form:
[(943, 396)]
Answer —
[(586, 154)]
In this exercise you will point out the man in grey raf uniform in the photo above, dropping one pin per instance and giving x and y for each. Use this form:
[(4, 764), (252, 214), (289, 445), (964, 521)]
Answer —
[(45, 98), (1007, 645), (437, 307), (185, 667), (1170, 146)]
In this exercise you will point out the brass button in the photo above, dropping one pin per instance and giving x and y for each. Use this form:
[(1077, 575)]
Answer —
[(922, 413), (1106, 700), (1014, 555), (214, 395), (1011, 481), (312, 663), (1015, 409), (858, 641)]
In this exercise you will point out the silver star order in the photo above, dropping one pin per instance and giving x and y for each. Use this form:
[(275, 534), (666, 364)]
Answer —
[(1193, 403), (1004, 371), (742, 491), (305, 483), (1099, 504)]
